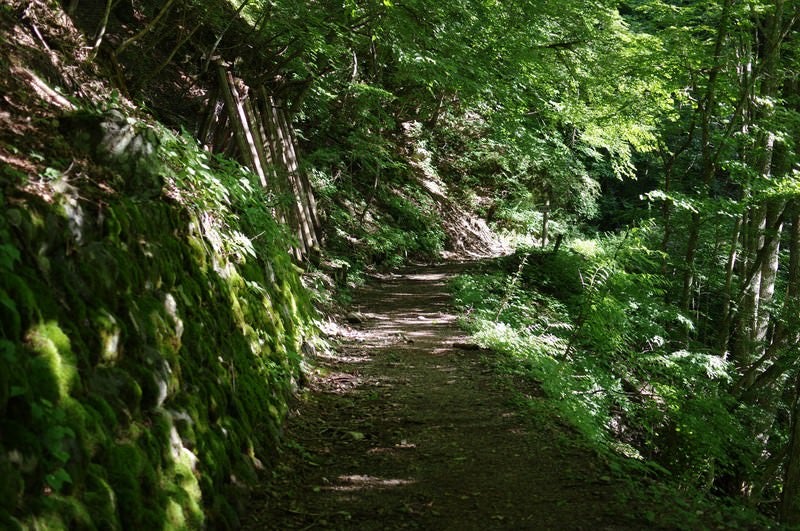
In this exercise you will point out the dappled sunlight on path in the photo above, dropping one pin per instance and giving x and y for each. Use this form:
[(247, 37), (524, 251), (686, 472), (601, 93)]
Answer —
[(410, 428)]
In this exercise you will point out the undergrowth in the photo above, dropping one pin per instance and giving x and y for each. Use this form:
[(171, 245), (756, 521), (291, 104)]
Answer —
[(589, 326)]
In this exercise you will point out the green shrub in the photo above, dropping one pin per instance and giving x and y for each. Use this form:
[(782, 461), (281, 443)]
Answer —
[(590, 325)]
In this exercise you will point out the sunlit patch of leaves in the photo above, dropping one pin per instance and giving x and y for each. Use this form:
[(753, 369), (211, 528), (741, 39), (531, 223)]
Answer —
[(591, 327)]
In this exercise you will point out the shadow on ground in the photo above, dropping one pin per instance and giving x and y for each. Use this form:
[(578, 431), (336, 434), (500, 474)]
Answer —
[(409, 428)]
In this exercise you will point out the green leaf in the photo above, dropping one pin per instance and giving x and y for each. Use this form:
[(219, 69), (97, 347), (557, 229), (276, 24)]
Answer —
[(8, 256), (58, 479), (51, 174)]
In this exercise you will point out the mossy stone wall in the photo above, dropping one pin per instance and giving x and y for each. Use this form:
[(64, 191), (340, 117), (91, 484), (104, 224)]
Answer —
[(147, 345)]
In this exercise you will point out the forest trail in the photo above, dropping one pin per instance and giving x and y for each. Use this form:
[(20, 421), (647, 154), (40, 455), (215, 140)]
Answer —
[(410, 428)]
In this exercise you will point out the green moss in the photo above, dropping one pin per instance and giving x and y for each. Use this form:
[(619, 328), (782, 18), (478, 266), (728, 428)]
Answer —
[(175, 517), (142, 333), (21, 437), (198, 252), (156, 449), (100, 499), (65, 512), (95, 437), (112, 226), (186, 491), (185, 423), (213, 453), (125, 464), (216, 400), (148, 384), (106, 413), (118, 388), (24, 307), (10, 319), (222, 515), (51, 371), (9, 363), (9, 523)]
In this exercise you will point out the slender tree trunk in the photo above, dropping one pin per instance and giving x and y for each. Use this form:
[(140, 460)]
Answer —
[(213, 120), (769, 271), (157, 70), (101, 31), (283, 182), (241, 125), (303, 181), (212, 51), (258, 141), (707, 107), (666, 219), (745, 346), (765, 222), (288, 164), (293, 167), (793, 284), (688, 274), (669, 160), (730, 266)]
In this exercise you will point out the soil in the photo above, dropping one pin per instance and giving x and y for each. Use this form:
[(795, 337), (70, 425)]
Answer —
[(407, 426)]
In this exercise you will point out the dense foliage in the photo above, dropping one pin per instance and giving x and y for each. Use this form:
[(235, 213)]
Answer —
[(671, 339), (676, 337)]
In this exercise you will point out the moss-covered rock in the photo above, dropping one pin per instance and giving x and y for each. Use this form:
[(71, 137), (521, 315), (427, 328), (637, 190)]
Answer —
[(146, 356), (51, 369)]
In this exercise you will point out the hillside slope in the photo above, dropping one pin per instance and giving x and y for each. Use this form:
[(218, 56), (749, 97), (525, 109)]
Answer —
[(151, 316)]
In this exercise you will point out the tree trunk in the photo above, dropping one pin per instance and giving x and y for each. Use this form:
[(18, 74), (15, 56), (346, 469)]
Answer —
[(730, 266), (241, 126), (213, 50), (296, 182), (765, 223), (769, 271), (101, 31), (258, 141), (308, 192), (282, 181), (144, 31), (688, 273), (706, 108)]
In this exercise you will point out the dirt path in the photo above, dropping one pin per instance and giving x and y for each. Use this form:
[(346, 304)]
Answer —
[(409, 429)]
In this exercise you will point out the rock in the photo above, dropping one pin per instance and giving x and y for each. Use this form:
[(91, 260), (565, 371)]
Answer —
[(120, 142)]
